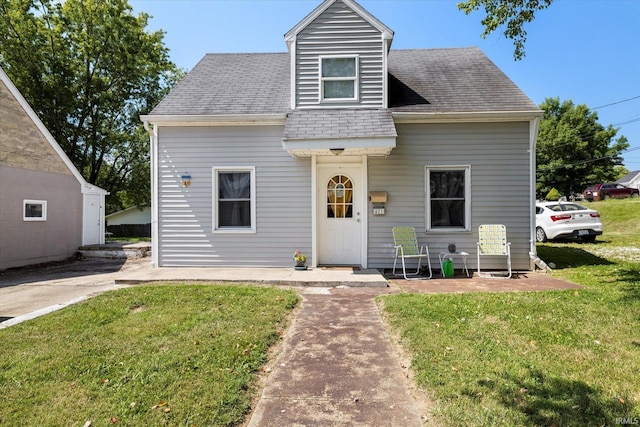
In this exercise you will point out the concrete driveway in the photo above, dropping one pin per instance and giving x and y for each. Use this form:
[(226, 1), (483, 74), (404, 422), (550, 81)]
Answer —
[(32, 291)]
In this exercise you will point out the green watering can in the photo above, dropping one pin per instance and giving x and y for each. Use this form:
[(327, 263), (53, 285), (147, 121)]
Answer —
[(447, 268)]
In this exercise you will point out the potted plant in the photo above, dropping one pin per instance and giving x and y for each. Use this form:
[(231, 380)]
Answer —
[(300, 260)]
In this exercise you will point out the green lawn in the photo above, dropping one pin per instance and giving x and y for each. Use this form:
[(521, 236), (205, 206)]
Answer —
[(181, 354), (565, 358), (175, 354), (621, 221), (128, 239)]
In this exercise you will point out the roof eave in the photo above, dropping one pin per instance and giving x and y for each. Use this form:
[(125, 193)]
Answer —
[(216, 119), (85, 187), (460, 117), (347, 146)]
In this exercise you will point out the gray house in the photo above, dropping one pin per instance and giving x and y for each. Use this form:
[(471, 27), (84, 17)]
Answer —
[(47, 210), (325, 148)]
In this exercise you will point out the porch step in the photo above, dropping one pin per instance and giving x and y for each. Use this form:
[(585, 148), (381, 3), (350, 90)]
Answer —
[(117, 250)]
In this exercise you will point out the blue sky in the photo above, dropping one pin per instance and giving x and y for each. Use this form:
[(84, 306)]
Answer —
[(584, 50)]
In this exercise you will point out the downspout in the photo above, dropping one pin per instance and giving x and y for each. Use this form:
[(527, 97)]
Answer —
[(533, 138), (314, 211), (153, 139)]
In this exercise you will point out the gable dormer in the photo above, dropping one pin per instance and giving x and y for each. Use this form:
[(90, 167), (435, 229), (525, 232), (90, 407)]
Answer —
[(339, 58)]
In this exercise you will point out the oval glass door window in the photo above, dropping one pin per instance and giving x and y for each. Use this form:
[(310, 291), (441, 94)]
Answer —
[(340, 197)]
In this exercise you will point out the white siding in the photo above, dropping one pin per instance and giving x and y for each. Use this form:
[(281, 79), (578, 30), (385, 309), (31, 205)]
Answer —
[(130, 216), (499, 159), (283, 197), (340, 31)]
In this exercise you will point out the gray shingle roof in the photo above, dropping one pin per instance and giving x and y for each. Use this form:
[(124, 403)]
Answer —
[(421, 80), (451, 80), (339, 123), (232, 83), (628, 177)]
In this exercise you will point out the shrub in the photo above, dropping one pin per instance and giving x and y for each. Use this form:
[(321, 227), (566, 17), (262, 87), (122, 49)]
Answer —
[(553, 195)]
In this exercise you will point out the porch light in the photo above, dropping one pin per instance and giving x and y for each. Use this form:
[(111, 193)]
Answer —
[(336, 151)]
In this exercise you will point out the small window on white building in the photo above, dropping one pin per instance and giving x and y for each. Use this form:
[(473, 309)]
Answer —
[(448, 202), (234, 200), (339, 78), (34, 210)]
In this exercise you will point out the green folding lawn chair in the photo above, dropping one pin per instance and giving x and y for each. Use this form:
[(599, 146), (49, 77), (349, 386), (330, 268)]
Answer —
[(406, 246)]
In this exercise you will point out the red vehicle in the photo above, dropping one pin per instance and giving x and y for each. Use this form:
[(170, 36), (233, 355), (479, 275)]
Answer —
[(609, 190)]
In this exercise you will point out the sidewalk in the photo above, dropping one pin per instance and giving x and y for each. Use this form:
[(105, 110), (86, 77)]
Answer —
[(337, 367)]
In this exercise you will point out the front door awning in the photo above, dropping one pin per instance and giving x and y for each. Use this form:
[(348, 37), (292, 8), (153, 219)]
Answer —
[(337, 131)]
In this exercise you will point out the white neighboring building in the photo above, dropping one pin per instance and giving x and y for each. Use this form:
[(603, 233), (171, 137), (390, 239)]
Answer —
[(632, 179), (133, 215)]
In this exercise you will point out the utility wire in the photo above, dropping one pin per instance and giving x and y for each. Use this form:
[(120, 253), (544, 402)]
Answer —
[(617, 102), (627, 122), (587, 161)]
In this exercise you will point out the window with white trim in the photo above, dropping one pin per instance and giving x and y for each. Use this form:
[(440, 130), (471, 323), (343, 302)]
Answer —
[(34, 210), (234, 199), (339, 78), (448, 201)]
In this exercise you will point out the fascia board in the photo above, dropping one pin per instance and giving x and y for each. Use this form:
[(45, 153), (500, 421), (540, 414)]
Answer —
[(84, 185), (477, 117), (217, 120), (291, 34), (387, 33), (306, 144)]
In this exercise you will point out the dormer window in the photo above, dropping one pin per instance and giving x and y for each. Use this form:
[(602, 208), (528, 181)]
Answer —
[(338, 78)]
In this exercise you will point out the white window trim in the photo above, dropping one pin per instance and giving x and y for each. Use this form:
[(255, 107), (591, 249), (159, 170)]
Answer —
[(34, 202), (355, 79), (467, 197), (234, 230)]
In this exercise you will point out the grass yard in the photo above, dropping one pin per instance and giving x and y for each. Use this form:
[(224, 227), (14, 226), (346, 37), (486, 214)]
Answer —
[(181, 355), (621, 221), (128, 239), (565, 358)]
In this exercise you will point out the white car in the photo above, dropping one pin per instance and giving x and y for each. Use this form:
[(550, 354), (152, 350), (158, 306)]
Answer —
[(556, 220)]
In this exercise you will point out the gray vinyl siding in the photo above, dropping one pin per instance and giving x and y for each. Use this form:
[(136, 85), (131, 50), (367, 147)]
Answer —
[(340, 31), (499, 160), (185, 214)]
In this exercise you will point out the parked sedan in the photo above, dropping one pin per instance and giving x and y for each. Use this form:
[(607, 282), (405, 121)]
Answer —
[(556, 220), (609, 190)]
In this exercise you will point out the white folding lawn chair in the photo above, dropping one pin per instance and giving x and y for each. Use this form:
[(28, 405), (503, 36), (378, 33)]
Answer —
[(492, 242)]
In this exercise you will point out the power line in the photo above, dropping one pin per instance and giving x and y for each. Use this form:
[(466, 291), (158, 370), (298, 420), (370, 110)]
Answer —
[(617, 102), (583, 162), (627, 122)]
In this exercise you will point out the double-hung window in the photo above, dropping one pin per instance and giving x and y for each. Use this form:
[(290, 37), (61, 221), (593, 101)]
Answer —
[(339, 78), (234, 199), (448, 201), (34, 210)]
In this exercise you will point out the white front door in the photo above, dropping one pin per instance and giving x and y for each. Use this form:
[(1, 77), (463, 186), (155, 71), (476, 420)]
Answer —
[(92, 220), (340, 202)]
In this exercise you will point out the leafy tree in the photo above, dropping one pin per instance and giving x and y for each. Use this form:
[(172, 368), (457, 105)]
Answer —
[(89, 69), (620, 171), (510, 14), (574, 150)]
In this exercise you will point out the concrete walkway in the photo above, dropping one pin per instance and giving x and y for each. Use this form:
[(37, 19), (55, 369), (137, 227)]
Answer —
[(337, 368)]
